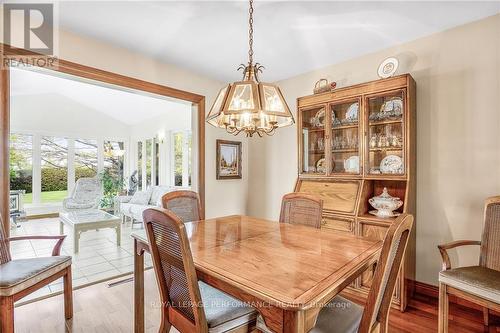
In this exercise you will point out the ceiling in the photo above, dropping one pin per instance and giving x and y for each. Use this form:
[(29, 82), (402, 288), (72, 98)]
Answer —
[(128, 107), (291, 37)]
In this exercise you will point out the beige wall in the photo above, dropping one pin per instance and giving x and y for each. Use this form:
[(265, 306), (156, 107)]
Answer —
[(458, 142), (222, 197)]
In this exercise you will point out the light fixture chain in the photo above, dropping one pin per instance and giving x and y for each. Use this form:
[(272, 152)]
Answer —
[(250, 34)]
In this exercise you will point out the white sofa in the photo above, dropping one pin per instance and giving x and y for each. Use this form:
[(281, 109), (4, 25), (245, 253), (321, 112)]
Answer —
[(131, 207)]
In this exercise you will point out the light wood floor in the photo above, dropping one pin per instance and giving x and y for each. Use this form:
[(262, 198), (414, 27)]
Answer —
[(102, 309)]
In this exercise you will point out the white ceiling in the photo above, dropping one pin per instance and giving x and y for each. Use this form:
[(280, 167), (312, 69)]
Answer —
[(291, 37), (125, 106)]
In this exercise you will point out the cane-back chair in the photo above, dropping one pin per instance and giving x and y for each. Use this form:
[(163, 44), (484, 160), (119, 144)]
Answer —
[(188, 304), (21, 277), (301, 208), (343, 316), (185, 204), (478, 284)]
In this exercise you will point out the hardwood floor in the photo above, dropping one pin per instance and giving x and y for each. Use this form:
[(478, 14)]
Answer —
[(102, 309)]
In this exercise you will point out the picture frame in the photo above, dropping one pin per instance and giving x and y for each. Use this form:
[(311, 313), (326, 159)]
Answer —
[(228, 159)]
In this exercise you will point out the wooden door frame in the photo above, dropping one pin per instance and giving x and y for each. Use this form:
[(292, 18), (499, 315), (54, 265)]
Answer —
[(86, 72)]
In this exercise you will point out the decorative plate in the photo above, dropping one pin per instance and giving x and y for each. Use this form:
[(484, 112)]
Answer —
[(394, 106), (352, 111), (388, 67), (320, 166), (320, 118), (391, 164), (352, 164)]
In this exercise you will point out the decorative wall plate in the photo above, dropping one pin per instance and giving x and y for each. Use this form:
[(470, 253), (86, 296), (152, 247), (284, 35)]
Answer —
[(352, 111), (352, 164), (388, 67), (391, 164)]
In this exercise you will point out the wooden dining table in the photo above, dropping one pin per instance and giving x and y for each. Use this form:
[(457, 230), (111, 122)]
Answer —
[(287, 272)]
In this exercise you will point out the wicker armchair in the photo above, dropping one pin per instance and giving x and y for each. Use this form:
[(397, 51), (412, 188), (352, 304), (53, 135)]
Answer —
[(21, 277), (478, 284), (301, 208), (188, 305), (185, 204), (343, 316)]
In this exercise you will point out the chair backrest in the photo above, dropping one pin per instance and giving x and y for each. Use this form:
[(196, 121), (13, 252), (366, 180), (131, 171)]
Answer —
[(87, 190), (185, 204), (4, 245), (490, 242), (301, 208), (174, 267), (384, 281)]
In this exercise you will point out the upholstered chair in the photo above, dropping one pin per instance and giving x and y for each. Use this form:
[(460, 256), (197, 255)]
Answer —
[(343, 316), (21, 277), (478, 284), (188, 304), (301, 208), (87, 194), (185, 204)]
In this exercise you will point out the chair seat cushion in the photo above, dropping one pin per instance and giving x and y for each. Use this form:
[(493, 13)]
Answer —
[(340, 315), (479, 281), (222, 311), (17, 275)]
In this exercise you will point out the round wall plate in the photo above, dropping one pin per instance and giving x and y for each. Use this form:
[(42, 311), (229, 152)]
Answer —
[(388, 67)]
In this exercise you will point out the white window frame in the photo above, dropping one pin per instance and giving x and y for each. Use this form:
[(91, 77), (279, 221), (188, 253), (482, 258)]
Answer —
[(37, 165)]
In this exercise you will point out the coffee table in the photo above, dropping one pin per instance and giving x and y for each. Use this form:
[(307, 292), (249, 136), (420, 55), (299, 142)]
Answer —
[(92, 219)]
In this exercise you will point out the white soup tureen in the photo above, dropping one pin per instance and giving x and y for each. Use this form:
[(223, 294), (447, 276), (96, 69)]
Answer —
[(385, 204)]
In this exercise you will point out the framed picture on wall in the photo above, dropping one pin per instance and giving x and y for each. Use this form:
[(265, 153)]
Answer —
[(228, 159)]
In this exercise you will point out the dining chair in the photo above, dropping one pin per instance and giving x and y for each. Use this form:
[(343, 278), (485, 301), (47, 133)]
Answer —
[(343, 316), (301, 208), (188, 304), (477, 284), (21, 277), (185, 204)]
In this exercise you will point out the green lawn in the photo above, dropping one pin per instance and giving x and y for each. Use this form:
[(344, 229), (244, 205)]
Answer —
[(54, 196)]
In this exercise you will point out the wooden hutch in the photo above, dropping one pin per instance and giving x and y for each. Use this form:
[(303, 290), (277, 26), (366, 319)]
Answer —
[(362, 149)]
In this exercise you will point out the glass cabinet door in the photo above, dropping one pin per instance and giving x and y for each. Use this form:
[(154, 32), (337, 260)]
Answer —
[(386, 135), (345, 137), (313, 141)]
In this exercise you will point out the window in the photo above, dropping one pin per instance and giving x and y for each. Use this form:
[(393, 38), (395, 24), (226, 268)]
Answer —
[(85, 158), (21, 164), (157, 163), (139, 165), (149, 162), (181, 142), (54, 161), (114, 158)]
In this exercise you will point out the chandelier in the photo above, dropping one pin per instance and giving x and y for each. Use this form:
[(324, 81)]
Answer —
[(250, 106)]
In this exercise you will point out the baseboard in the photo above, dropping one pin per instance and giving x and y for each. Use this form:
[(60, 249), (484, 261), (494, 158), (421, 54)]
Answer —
[(429, 290)]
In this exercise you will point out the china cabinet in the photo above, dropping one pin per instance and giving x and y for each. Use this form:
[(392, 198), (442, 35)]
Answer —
[(354, 142)]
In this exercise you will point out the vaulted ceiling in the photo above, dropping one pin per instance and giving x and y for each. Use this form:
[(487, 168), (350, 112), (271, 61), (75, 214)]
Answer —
[(291, 37)]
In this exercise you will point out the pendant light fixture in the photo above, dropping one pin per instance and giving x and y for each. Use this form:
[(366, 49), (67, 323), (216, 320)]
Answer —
[(250, 106)]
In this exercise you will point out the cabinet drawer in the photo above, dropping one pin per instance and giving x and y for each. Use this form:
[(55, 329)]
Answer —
[(338, 224)]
